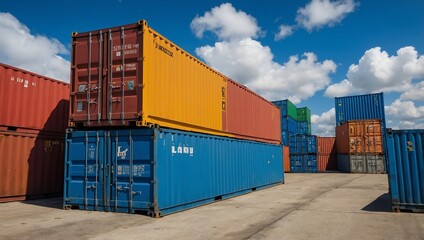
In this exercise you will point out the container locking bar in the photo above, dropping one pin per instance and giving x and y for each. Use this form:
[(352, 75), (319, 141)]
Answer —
[(109, 114), (89, 78), (100, 80), (123, 75)]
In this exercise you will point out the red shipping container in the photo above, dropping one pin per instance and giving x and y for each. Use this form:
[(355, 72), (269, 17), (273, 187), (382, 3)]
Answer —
[(326, 154), (286, 158), (31, 165), (248, 115), (32, 101), (359, 136)]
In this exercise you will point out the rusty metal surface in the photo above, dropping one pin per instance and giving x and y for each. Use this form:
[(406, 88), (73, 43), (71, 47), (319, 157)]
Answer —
[(357, 137)]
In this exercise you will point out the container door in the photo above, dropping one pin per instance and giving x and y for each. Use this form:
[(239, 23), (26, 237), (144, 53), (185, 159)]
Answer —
[(123, 88), (86, 170), (132, 171)]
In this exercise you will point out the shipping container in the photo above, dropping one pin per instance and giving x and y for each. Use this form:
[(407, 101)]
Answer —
[(303, 163), (32, 101), (249, 116), (361, 163), (133, 76), (289, 124), (406, 169), (286, 158), (31, 165), (303, 128), (285, 138), (326, 154), (363, 136), (287, 108), (360, 107), (303, 144), (162, 171), (304, 114)]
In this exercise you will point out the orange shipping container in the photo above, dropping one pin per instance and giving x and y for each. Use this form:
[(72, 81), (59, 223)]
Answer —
[(32, 101), (132, 75), (286, 158), (326, 154), (361, 136), (31, 165)]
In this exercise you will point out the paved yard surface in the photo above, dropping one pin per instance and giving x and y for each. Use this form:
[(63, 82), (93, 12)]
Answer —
[(309, 206)]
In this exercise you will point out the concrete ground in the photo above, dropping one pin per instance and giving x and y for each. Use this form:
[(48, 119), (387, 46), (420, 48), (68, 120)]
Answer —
[(309, 206)]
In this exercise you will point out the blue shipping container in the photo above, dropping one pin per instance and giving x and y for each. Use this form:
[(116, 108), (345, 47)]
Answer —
[(289, 124), (303, 128), (285, 138), (360, 107), (406, 168), (303, 144), (162, 171), (303, 163)]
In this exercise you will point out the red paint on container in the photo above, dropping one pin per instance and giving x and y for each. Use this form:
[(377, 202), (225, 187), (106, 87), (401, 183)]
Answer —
[(326, 154), (251, 116), (286, 158), (31, 165), (32, 101)]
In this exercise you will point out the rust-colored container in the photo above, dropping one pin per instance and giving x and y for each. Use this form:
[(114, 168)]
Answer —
[(286, 158), (360, 136), (326, 154), (250, 115), (31, 165), (32, 101), (132, 75)]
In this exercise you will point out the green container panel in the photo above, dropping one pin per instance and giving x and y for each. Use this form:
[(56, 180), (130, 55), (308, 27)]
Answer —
[(304, 114)]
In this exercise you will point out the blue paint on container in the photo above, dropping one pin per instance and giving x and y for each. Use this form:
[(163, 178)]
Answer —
[(162, 171), (303, 144), (303, 163), (406, 169)]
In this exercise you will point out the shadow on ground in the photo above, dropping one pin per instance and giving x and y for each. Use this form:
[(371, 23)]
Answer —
[(55, 202), (381, 204)]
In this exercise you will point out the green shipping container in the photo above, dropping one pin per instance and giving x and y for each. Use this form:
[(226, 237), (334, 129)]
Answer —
[(304, 115), (287, 108)]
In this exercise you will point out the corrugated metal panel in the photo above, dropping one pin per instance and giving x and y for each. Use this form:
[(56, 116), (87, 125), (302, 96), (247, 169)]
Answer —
[(303, 128), (289, 124), (166, 86), (303, 144), (359, 137), (286, 158), (251, 116), (326, 154), (360, 107), (32, 101), (287, 108), (31, 165), (327, 162), (303, 163), (304, 114), (162, 171), (406, 168), (361, 163)]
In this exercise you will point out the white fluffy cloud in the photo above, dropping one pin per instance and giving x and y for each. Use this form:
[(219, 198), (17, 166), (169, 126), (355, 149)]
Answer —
[(249, 62), (40, 54), (416, 92), (226, 22), (324, 124), (319, 13), (285, 31), (377, 71), (404, 111)]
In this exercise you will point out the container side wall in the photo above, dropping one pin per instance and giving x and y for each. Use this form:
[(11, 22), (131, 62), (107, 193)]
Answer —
[(32, 101), (360, 107), (406, 169), (286, 158), (250, 116), (33, 170)]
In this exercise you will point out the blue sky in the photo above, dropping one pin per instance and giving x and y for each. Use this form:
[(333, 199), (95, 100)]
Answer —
[(334, 48)]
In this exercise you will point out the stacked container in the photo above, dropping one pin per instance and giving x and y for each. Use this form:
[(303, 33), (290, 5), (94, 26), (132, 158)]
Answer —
[(359, 133), (326, 154), (32, 129), (288, 112), (155, 130), (406, 169), (303, 153)]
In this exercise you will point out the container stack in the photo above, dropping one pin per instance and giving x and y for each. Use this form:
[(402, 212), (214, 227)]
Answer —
[(326, 154), (296, 135), (359, 133), (147, 136), (33, 121)]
